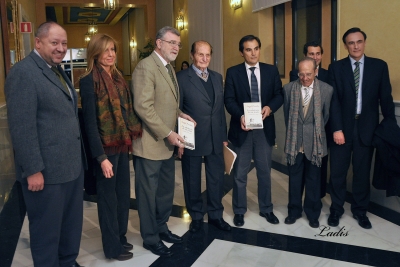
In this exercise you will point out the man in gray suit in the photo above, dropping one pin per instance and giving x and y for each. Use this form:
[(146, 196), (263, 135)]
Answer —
[(306, 110), (156, 100), (49, 158), (202, 97)]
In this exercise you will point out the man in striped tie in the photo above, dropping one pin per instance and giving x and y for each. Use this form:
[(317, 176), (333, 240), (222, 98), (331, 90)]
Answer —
[(361, 84), (306, 110)]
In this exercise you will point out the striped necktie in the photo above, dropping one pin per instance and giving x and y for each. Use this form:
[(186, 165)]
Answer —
[(254, 86), (306, 99), (357, 80)]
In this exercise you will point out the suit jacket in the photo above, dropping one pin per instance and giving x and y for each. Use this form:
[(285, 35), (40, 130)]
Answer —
[(210, 130), (43, 122), (237, 91), (322, 75), (156, 103), (376, 89), (305, 124)]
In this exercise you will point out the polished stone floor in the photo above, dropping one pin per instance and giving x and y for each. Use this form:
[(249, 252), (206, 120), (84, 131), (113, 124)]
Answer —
[(257, 243)]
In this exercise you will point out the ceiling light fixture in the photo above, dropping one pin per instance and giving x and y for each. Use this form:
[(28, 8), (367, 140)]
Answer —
[(110, 4)]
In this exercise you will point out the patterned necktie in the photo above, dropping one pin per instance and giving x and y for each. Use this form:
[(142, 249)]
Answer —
[(254, 86), (57, 72), (168, 66), (306, 99), (357, 80)]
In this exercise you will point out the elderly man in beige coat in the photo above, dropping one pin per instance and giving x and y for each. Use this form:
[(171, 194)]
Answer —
[(156, 101)]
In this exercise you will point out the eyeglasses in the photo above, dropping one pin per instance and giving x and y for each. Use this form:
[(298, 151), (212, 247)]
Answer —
[(173, 43), (302, 75)]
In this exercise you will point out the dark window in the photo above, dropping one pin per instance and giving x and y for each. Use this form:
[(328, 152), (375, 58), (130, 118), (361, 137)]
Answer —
[(279, 38)]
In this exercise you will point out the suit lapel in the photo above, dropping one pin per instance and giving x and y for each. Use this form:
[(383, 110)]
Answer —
[(195, 80), (244, 79), (164, 72), (49, 74), (347, 72)]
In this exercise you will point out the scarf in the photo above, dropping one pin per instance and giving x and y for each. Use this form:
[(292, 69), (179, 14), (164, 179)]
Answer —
[(291, 149), (117, 122)]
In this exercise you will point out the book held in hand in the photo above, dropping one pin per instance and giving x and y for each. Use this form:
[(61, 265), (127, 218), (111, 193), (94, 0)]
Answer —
[(186, 130), (252, 115)]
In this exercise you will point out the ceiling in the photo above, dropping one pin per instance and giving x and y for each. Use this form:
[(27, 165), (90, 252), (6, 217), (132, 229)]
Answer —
[(70, 15)]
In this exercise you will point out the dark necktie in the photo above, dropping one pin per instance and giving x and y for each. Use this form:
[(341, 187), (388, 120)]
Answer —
[(357, 80), (168, 66), (254, 86), (58, 74)]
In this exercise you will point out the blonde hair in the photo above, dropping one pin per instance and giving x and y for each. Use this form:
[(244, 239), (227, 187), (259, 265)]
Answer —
[(96, 47)]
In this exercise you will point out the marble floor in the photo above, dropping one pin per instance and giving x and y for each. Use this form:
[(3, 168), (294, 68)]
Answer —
[(257, 243)]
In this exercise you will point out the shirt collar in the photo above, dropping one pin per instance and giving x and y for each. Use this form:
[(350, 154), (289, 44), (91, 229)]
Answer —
[(162, 59), (352, 60), (37, 53), (199, 72), (248, 66), (311, 86)]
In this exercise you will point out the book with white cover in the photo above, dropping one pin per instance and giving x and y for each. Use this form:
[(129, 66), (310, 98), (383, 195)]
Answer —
[(252, 115), (186, 130)]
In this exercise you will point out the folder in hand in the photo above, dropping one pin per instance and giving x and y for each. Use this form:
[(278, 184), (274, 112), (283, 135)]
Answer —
[(229, 159)]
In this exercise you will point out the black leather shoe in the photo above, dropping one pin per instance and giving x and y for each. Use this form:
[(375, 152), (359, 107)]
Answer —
[(195, 225), (126, 255), (314, 223), (238, 220), (291, 219), (127, 246), (220, 224), (271, 218), (159, 249), (170, 237), (333, 219), (363, 221)]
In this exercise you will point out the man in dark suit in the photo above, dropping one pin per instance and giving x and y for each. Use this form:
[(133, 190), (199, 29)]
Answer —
[(306, 110), (361, 84), (252, 81), (314, 50), (156, 102), (202, 98), (49, 159)]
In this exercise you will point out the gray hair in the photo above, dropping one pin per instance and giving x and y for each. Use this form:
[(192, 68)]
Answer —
[(160, 34), (43, 29), (307, 59)]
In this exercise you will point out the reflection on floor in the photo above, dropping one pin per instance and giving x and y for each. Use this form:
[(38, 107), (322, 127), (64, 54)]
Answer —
[(257, 243)]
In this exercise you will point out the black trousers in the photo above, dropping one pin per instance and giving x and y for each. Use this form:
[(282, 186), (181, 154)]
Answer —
[(113, 201), (191, 172), (361, 157), (55, 222), (304, 170)]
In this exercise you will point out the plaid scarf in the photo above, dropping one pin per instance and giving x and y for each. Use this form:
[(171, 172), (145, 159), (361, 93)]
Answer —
[(116, 119), (291, 148)]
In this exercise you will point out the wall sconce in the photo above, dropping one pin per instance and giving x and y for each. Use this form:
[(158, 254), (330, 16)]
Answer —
[(235, 4), (180, 21), (110, 4), (132, 43)]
